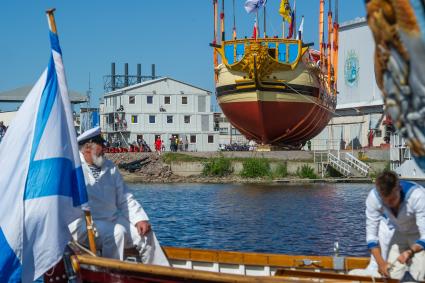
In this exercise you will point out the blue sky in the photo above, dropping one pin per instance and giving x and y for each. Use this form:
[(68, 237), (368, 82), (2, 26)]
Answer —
[(172, 34)]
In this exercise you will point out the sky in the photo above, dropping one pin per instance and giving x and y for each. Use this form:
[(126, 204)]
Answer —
[(174, 35)]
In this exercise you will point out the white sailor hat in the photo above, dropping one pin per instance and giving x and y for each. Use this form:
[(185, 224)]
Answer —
[(92, 135)]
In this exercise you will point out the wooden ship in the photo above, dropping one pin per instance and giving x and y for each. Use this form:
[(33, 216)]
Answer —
[(277, 90)]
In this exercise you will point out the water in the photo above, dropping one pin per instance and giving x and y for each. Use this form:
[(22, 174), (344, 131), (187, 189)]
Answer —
[(290, 219)]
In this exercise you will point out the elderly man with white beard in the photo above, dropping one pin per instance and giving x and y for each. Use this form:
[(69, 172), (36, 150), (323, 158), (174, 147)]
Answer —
[(119, 219)]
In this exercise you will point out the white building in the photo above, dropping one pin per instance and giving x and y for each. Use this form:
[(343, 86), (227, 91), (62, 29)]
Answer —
[(160, 107), (228, 133), (360, 109)]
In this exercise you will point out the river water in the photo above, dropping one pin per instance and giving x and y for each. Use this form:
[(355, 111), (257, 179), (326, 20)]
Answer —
[(281, 218)]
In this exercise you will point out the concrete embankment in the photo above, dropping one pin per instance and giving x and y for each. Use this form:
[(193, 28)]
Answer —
[(188, 167)]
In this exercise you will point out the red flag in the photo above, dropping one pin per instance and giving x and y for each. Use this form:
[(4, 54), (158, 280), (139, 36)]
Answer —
[(291, 26), (254, 32)]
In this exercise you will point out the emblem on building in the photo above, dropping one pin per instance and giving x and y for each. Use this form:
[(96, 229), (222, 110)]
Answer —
[(351, 70)]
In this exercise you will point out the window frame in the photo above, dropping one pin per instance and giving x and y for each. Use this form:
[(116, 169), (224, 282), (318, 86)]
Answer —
[(184, 100), (172, 119), (169, 100), (151, 99), (154, 119)]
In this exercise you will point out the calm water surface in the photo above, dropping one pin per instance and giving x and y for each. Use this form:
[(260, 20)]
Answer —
[(292, 219)]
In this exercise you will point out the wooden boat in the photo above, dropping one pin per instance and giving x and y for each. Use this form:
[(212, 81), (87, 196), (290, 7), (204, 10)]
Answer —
[(194, 265), (274, 90)]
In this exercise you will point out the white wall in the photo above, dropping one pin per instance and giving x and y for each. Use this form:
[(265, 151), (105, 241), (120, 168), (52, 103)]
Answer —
[(357, 42)]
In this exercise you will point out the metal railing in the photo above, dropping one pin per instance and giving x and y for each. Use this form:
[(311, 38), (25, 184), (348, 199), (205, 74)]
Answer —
[(360, 166), (339, 165)]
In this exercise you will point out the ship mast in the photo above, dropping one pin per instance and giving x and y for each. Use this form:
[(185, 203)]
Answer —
[(264, 9), (322, 7), (329, 43), (215, 4), (335, 44), (234, 21), (223, 38)]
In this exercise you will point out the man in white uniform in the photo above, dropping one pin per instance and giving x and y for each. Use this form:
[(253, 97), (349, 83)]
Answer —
[(119, 219), (404, 203)]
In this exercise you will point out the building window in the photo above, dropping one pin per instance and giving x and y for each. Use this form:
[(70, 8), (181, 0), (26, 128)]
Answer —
[(149, 99), (192, 139), (167, 100), (224, 131), (132, 99), (134, 119), (184, 99), (210, 139), (169, 119), (378, 133), (152, 119), (187, 119)]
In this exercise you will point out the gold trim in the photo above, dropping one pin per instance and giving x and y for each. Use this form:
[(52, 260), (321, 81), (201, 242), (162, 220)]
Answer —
[(267, 96)]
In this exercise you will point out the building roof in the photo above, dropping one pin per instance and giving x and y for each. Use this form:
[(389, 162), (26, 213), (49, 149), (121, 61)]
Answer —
[(146, 83), (19, 95), (357, 22)]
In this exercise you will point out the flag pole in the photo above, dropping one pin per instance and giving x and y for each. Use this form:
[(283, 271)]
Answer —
[(89, 222), (265, 29)]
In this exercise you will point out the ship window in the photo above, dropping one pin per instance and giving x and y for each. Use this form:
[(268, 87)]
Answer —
[(187, 119), (378, 133), (210, 139), (192, 139), (149, 99), (169, 119), (184, 99), (272, 52), (167, 100), (152, 119)]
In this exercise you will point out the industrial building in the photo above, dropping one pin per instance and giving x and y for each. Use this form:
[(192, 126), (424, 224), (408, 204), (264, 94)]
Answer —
[(359, 120), (160, 107)]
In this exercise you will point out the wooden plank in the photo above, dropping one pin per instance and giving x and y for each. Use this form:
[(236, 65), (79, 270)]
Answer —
[(255, 259), (177, 253), (356, 262), (207, 256), (230, 257), (278, 260)]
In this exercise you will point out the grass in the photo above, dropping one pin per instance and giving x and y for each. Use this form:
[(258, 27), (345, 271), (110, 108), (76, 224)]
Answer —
[(217, 166), (169, 157), (255, 167), (306, 172), (281, 171)]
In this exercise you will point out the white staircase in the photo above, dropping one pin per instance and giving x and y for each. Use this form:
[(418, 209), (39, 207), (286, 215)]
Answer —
[(343, 162)]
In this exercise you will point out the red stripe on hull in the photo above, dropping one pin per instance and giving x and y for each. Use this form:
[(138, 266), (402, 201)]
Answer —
[(271, 122)]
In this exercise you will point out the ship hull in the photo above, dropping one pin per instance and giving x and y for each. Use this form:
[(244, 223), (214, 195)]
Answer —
[(288, 109)]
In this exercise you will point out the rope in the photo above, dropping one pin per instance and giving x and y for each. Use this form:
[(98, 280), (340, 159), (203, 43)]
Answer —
[(311, 100)]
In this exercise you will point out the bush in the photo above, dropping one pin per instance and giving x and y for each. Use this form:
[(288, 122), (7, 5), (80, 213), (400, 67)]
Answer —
[(281, 171), (217, 166), (306, 172), (255, 167)]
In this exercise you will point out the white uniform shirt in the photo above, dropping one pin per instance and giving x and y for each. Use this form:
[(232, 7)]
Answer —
[(410, 218), (109, 196)]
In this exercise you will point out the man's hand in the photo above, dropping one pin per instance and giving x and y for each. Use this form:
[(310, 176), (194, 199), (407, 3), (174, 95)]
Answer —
[(383, 269), (143, 227), (405, 256)]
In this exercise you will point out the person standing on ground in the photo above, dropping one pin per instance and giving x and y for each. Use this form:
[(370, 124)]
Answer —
[(118, 217), (404, 203), (158, 145)]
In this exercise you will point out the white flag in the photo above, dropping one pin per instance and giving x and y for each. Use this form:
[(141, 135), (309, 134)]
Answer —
[(41, 182), (252, 6), (301, 29)]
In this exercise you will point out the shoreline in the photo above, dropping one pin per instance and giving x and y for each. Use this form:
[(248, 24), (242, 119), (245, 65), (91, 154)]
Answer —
[(134, 178)]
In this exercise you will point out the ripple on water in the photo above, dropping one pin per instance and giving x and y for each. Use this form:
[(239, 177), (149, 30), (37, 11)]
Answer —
[(290, 219)]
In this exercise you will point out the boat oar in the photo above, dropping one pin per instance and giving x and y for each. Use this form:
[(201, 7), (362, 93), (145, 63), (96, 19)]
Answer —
[(90, 231)]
